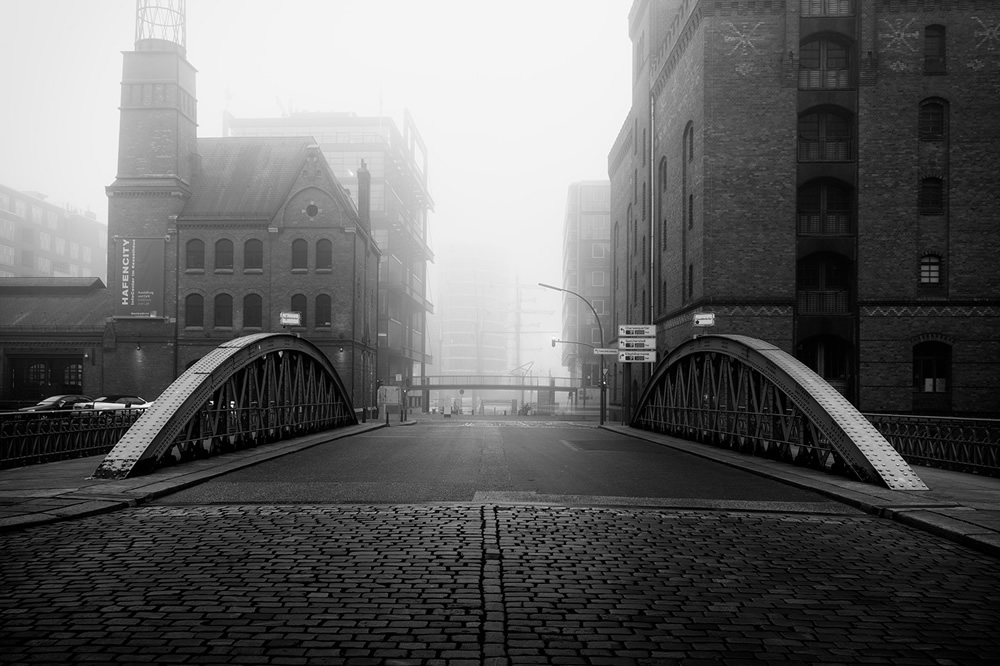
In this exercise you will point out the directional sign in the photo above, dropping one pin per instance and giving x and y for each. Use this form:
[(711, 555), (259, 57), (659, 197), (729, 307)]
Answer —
[(636, 331), (636, 343), (704, 319), (637, 357), (601, 351), (290, 318)]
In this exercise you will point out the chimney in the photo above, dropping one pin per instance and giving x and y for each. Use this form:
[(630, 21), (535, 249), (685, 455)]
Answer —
[(364, 197)]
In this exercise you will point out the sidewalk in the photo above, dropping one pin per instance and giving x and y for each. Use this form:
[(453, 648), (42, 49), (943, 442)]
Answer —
[(964, 508)]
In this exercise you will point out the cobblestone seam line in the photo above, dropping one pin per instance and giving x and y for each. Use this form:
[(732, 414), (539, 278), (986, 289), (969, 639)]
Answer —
[(494, 629)]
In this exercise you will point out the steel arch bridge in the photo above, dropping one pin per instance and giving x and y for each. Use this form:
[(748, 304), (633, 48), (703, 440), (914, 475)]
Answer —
[(248, 391), (747, 395)]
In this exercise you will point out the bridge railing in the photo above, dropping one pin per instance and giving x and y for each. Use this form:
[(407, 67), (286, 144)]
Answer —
[(500, 381), (27, 438), (964, 445)]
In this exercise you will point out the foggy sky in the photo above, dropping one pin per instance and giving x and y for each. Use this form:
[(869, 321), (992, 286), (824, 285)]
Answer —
[(514, 100)]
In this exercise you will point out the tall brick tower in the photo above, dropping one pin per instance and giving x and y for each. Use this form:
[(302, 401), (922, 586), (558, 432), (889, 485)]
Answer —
[(157, 158)]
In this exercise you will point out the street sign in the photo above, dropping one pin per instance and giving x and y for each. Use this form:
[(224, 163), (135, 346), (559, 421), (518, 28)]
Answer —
[(388, 395), (704, 319), (636, 331), (601, 351), (636, 343), (637, 357), (290, 318)]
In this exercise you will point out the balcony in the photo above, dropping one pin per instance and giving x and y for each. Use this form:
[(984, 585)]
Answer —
[(830, 302), (824, 224), (824, 79), (825, 150), (826, 7)]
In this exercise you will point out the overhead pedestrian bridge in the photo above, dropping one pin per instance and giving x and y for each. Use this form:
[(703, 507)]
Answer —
[(750, 396), (248, 391)]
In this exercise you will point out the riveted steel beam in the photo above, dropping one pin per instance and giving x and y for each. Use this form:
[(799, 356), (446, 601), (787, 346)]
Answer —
[(247, 391), (749, 395)]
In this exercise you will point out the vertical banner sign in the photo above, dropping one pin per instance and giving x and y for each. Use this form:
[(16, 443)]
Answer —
[(140, 277)]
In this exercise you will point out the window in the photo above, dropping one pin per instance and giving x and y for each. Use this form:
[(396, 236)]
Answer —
[(299, 305), (823, 284), (300, 250), (195, 255), (73, 375), (931, 124), (224, 255), (324, 254), (38, 373), (690, 211), (824, 65), (934, 50), (824, 136), (689, 141), (931, 367), (223, 311), (599, 306), (824, 209), (194, 311), (930, 269), (690, 281), (253, 255), (597, 278), (598, 250), (931, 196), (252, 311), (323, 318)]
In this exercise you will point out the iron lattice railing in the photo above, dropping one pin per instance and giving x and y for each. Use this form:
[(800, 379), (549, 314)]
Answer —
[(27, 438), (964, 445)]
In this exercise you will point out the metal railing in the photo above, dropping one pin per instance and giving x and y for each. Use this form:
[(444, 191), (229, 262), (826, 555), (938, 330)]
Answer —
[(27, 438), (963, 445), (499, 381)]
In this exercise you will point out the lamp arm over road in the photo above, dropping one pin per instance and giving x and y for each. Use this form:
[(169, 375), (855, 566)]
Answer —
[(600, 328)]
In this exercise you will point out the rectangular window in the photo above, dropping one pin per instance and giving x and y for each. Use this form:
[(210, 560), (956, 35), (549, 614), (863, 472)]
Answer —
[(44, 265), (20, 208), (36, 215), (60, 246), (7, 229), (597, 251), (599, 306), (597, 278)]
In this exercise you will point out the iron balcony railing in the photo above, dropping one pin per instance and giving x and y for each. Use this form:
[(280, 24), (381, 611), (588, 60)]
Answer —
[(825, 150), (830, 302), (35, 437), (826, 7), (824, 224), (824, 79)]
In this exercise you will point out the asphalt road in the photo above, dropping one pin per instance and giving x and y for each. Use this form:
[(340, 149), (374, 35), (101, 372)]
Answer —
[(461, 461)]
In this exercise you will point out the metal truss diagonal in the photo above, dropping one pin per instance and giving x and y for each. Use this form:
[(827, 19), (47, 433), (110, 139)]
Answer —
[(255, 389), (748, 395)]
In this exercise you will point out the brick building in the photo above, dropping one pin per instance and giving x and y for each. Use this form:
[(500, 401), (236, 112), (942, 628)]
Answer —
[(209, 239), (820, 174), (399, 205)]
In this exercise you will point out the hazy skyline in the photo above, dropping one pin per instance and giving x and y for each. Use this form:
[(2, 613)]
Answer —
[(514, 101)]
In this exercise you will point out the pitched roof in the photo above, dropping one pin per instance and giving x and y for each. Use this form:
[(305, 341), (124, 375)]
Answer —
[(54, 303), (243, 178)]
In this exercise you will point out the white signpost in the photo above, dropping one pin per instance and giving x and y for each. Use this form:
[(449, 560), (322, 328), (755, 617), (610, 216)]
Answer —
[(704, 319), (637, 343), (290, 318), (603, 351)]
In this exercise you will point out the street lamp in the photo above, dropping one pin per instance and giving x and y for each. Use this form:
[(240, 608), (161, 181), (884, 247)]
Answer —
[(601, 329)]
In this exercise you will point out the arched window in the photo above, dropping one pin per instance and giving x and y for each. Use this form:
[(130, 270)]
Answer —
[(824, 64), (323, 311), (931, 196), (224, 255), (824, 136), (299, 305), (194, 311), (324, 254), (195, 255), (73, 375), (252, 311), (223, 311), (824, 209), (689, 142), (934, 50), (931, 367), (300, 255), (932, 124), (930, 269), (38, 374), (253, 255)]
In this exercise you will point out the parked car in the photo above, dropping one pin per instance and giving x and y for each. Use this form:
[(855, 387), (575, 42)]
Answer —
[(54, 402), (115, 402)]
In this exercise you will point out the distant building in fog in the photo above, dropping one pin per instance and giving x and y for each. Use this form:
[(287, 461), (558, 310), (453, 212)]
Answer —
[(821, 175), (400, 202), (587, 271), (42, 239)]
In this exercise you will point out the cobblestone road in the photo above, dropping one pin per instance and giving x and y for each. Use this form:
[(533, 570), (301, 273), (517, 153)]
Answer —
[(468, 584)]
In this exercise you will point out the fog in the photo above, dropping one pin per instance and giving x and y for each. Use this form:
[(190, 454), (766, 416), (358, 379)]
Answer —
[(514, 100)]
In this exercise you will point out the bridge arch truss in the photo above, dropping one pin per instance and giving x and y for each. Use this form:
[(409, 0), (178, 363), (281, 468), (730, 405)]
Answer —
[(748, 395), (248, 391)]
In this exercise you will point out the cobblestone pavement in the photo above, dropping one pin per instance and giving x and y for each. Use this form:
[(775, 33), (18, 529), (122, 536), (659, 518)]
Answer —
[(491, 584)]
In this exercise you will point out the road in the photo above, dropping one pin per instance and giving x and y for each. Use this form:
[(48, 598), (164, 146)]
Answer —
[(499, 544)]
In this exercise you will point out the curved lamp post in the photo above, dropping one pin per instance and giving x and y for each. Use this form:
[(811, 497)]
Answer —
[(600, 328)]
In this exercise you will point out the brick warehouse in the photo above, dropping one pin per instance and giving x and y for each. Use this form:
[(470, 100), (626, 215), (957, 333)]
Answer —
[(820, 174), (209, 239)]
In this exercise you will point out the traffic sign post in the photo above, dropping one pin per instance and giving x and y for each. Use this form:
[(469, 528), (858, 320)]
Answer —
[(637, 356)]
